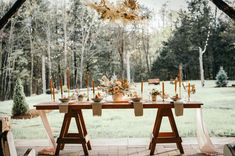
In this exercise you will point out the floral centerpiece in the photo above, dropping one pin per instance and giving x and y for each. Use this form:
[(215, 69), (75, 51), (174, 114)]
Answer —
[(115, 87)]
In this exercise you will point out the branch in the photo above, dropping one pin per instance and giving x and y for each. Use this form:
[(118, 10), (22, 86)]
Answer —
[(11, 12), (225, 8)]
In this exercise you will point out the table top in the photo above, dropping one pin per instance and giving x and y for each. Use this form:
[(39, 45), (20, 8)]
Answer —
[(115, 105)]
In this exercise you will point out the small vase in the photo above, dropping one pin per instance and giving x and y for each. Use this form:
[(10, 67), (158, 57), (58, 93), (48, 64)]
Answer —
[(117, 97), (154, 97)]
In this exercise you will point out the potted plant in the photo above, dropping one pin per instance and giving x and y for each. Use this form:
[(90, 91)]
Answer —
[(154, 94)]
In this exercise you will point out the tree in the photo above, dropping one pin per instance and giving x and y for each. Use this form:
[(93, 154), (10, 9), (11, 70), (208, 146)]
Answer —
[(19, 104), (201, 52), (182, 47), (221, 78)]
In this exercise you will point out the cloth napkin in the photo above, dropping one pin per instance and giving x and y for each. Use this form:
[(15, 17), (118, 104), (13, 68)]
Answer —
[(97, 108), (63, 107), (138, 107), (179, 108)]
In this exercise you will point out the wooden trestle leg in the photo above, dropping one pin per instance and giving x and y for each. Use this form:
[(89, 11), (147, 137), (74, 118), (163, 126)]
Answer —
[(73, 138), (165, 137)]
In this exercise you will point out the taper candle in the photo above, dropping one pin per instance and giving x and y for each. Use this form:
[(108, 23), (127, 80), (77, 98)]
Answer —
[(180, 78), (51, 83), (176, 86), (189, 89), (61, 88), (87, 85), (93, 87), (142, 87), (53, 91), (163, 90), (68, 79)]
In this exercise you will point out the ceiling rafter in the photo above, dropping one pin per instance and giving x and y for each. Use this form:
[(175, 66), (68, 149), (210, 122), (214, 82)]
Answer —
[(225, 8), (11, 12)]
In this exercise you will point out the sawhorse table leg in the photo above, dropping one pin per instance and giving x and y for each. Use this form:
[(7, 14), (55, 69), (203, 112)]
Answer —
[(165, 137), (73, 138)]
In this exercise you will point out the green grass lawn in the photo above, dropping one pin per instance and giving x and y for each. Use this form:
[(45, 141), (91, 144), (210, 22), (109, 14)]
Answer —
[(218, 112)]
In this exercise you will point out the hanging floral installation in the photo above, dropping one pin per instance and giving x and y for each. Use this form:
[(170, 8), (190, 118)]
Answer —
[(124, 11)]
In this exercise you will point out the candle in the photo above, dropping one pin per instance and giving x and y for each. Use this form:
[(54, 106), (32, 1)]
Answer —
[(142, 87), (53, 91), (86, 80), (93, 87), (188, 90), (176, 86), (180, 78), (87, 85), (180, 75), (61, 88), (51, 83), (68, 79), (163, 90)]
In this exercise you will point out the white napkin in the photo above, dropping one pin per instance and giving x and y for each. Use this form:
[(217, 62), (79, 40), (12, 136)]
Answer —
[(97, 108), (179, 108), (63, 107), (138, 107)]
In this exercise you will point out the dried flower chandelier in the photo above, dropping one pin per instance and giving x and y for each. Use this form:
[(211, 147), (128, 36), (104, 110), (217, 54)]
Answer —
[(125, 11)]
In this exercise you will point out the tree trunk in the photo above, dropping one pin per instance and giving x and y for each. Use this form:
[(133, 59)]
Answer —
[(145, 42), (81, 66), (49, 48), (8, 73), (121, 50), (128, 67), (201, 67), (65, 43), (43, 75), (31, 66)]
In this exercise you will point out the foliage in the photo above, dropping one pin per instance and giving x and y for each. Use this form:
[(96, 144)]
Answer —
[(19, 103), (182, 46), (155, 92), (48, 28), (221, 78)]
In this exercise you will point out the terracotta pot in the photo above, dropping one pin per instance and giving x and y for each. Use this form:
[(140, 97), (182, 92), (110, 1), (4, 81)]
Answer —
[(117, 97)]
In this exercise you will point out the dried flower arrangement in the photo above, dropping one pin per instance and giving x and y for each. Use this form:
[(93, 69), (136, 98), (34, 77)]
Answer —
[(125, 11)]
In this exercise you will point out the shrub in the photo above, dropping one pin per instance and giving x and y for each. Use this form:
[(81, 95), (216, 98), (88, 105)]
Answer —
[(19, 103), (221, 78)]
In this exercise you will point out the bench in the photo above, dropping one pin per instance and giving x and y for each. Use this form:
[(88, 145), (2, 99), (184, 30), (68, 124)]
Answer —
[(7, 145), (154, 81)]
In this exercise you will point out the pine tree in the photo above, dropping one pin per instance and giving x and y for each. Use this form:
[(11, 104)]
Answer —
[(19, 106), (221, 78)]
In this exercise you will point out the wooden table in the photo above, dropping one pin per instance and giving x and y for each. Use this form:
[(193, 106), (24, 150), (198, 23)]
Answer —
[(164, 109)]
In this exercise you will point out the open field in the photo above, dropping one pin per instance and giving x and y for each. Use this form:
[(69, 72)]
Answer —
[(218, 111)]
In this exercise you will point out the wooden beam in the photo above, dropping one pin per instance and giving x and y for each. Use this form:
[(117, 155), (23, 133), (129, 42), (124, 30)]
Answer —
[(225, 8), (11, 12)]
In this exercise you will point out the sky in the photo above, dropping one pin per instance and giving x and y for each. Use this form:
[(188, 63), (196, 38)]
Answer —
[(157, 4)]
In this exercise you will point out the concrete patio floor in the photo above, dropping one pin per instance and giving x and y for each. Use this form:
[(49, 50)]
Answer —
[(124, 147)]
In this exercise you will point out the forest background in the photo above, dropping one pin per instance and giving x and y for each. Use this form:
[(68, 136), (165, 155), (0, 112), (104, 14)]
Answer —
[(45, 38)]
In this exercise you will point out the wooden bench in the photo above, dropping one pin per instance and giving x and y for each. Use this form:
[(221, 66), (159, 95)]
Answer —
[(7, 145), (154, 81)]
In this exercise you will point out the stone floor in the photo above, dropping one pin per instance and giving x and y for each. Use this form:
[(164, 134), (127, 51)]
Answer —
[(125, 146)]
